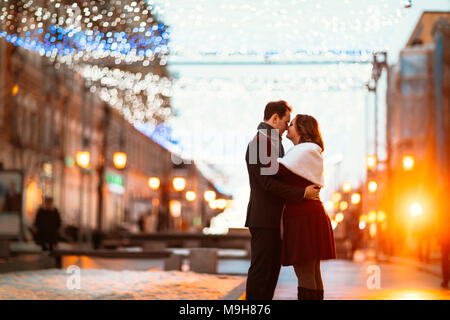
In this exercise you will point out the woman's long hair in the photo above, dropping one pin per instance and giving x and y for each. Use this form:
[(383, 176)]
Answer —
[(308, 128)]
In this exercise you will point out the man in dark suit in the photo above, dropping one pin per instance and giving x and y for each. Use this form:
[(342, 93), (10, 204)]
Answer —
[(267, 200)]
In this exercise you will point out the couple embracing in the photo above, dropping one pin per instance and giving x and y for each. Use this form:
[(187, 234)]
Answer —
[(287, 221)]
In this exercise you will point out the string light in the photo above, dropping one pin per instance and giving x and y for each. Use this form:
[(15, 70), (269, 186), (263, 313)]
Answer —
[(274, 28), (90, 37)]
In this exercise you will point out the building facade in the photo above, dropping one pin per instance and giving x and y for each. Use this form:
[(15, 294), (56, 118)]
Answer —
[(47, 115)]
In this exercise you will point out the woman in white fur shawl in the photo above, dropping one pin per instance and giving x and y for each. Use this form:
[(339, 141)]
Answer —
[(307, 232)]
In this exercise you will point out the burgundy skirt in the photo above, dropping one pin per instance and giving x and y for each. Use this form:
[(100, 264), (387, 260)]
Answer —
[(307, 233)]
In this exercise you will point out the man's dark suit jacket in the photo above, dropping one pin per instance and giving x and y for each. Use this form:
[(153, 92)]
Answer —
[(267, 194)]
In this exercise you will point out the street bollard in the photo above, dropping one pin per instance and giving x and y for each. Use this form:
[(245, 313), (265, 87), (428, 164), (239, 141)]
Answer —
[(203, 260)]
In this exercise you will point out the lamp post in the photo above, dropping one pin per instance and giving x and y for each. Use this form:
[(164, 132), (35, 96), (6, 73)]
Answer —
[(356, 198), (179, 183), (371, 162), (120, 160), (408, 163), (190, 196), (154, 183)]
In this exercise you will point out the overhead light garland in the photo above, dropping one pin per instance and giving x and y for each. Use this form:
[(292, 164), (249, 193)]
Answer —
[(274, 27), (94, 30), (140, 98), (91, 37)]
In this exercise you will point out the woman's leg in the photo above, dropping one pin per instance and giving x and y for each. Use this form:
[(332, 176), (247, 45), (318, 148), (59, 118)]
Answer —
[(305, 272), (318, 276)]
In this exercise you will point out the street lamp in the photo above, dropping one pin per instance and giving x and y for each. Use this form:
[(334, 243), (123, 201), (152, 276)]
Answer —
[(154, 183), (381, 216), (209, 195), (346, 187), (83, 158), (371, 162), (190, 196), (221, 204), (213, 204), (120, 160), (415, 209), (15, 90), (356, 198), (372, 186), (175, 208), (336, 196), (408, 163), (339, 217), (179, 183), (343, 205), (372, 216)]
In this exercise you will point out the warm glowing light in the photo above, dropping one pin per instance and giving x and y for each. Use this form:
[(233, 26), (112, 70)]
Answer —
[(83, 158), (372, 216), (120, 160), (179, 183), (363, 218), (371, 162), (209, 195), (356, 198), (381, 216), (221, 204), (362, 225), (372, 186), (190, 196), (343, 205), (415, 209), (213, 204), (346, 187), (336, 196), (218, 204), (175, 208), (154, 183), (408, 163), (15, 90), (328, 205), (373, 229), (339, 217)]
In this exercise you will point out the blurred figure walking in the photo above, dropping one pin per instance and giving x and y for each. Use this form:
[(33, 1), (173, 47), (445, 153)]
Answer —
[(47, 224)]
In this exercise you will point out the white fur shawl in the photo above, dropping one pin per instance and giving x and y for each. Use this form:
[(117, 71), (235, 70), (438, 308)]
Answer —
[(306, 161)]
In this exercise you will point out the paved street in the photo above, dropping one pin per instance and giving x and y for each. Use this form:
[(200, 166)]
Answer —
[(348, 280)]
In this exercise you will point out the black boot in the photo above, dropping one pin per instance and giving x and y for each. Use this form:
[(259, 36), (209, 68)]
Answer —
[(305, 294)]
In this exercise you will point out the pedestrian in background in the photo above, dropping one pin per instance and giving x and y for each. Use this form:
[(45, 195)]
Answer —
[(47, 224)]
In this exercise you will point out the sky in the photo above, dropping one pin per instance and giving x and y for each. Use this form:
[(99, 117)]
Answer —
[(221, 84)]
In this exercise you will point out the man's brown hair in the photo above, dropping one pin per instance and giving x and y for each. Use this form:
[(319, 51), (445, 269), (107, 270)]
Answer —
[(279, 107)]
